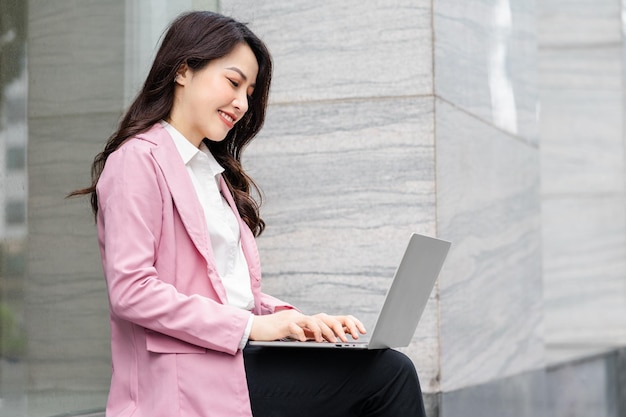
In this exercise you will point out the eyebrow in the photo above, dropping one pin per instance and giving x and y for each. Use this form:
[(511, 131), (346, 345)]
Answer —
[(240, 72)]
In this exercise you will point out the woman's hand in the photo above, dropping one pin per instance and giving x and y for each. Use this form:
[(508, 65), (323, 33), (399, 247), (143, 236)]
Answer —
[(342, 326), (293, 324)]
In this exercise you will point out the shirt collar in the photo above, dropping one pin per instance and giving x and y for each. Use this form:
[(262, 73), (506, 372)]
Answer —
[(187, 151), (215, 166)]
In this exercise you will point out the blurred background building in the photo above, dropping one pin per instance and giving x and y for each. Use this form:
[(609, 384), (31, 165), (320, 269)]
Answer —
[(496, 124)]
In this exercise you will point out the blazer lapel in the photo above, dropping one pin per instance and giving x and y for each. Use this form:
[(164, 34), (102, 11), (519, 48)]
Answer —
[(186, 201)]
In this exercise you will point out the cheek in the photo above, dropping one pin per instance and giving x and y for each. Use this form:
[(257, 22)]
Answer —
[(202, 92), (220, 92)]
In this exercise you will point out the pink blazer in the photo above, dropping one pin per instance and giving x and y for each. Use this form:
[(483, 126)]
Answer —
[(174, 339)]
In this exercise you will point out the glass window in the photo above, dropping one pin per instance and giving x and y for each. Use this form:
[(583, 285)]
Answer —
[(15, 213), (16, 158)]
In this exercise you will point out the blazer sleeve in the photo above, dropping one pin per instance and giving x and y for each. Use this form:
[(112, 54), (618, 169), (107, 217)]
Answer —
[(270, 305), (130, 196)]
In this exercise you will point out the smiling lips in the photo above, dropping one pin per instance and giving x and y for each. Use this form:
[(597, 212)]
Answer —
[(229, 119)]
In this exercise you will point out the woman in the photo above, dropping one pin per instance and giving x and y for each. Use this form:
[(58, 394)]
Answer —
[(176, 228)]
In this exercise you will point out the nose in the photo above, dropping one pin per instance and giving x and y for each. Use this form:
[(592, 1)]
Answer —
[(240, 102)]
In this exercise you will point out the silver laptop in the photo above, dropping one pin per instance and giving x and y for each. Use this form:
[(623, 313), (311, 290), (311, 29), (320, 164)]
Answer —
[(404, 304)]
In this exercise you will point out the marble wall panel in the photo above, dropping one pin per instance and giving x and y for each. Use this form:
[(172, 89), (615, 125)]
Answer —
[(485, 61), (345, 185), (584, 224), (348, 48), (579, 22), (76, 56), (584, 241), (580, 68), (582, 149), (491, 287)]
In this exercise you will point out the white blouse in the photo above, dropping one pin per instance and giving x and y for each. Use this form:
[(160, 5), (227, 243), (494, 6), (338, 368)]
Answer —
[(222, 224)]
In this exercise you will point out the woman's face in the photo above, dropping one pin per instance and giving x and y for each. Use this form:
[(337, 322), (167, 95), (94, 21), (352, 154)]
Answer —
[(208, 102)]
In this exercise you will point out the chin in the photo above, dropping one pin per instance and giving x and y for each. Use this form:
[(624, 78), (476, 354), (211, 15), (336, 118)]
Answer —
[(216, 140)]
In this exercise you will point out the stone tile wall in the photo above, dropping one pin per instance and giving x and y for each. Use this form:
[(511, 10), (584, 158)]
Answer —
[(347, 157), (582, 171), (491, 305)]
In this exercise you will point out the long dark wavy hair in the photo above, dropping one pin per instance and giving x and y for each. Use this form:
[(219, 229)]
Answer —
[(195, 38)]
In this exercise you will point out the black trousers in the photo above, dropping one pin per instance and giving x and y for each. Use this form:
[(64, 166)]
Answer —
[(308, 382)]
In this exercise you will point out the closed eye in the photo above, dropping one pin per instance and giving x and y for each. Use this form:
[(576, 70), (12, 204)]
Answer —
[(233, 82)]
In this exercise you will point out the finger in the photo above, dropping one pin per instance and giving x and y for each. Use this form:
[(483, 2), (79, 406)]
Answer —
[(360, 326), (313, 326), (338, 329), (327, 332), (336, 324), (335, 328), (297, 332), (353, 326)]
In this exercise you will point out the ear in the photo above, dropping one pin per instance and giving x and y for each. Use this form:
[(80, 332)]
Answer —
[(182, 74)]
